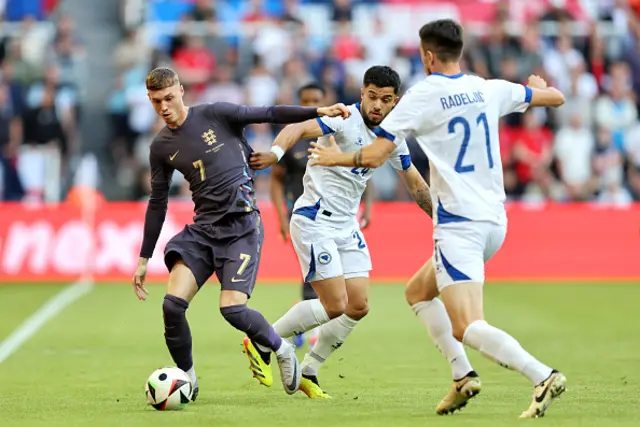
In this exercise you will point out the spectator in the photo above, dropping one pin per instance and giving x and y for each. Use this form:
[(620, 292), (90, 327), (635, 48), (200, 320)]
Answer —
[(45, 142), (222, 87), (574, 146), (609, 168), (261, 88), (131, 51), (342, 11), (194, 63), (616, 111), (532, 152), (10, 139), (202, 11), (559, 62)]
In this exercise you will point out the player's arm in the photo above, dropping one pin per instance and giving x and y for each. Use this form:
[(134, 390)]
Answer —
[(418, 188), (542, 95), (310, 129), (370, 156), (516, 98), (368, 196), (244, 115), (276, 191), (154, 218), (391, 133), (414, 182)]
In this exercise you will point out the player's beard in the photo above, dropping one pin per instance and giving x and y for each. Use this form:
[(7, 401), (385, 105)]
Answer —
[(370, 123)]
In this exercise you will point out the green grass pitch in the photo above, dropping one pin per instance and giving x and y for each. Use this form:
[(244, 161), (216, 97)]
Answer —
[(87, 367)]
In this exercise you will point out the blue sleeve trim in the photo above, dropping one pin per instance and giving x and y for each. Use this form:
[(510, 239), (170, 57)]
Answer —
[(528, 94), (384, 134), (405, 160), (326, 130)]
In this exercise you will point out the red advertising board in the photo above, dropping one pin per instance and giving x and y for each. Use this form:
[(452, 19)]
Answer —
[(554, 242)]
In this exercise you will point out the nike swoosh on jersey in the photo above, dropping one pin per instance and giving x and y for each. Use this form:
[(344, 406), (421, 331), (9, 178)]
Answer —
[(174, 155), (234, 280)]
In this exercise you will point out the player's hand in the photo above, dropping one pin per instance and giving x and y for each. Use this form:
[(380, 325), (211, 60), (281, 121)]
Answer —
[(321, 155), (259, 161), (536, 82), (365, 220), (138, 282), (335, 110), (284, 231)]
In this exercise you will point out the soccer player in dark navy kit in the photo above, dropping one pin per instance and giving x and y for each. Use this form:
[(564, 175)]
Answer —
[(206, 144), (287, 186)]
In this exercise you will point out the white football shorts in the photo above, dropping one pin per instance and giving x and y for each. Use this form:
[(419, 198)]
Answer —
[(325, 252), (462, 249)]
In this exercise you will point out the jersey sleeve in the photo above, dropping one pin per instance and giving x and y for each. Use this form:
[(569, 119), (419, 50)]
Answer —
[(243, 115), (406, 117), (511, 97), (161, 175), (400, 158), (331, 125)]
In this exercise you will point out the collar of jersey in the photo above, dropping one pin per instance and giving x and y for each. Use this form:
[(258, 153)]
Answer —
[(454, 76)]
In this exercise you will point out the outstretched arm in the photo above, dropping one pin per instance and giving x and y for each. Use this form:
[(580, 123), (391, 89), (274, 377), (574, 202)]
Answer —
[(370, 156), (418, 189), (243, 115)]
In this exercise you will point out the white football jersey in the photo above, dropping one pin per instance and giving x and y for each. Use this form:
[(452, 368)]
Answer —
[(332, 194), (455, 121)]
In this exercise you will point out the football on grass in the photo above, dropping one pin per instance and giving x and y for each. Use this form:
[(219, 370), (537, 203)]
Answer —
[(168, 389)]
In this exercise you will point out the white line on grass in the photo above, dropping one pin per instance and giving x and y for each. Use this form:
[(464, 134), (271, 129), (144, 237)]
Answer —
[(48, 311)]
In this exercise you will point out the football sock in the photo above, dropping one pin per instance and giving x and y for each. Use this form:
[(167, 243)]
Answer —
[(434, 317), (252, 323), (176, 331), (331, 337), (192, 375), (502, 348), (300, 318), (308, 292)]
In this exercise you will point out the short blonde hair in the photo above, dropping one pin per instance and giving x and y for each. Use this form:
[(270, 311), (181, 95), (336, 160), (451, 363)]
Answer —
[(161, 78)]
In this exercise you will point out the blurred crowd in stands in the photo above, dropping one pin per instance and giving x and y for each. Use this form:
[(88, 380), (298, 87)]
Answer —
[(40, 62), (587, 150)]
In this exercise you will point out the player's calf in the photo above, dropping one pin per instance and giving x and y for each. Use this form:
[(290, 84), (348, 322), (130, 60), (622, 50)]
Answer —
[(306, 315), (422, 286), (252, 323), (177, 334)]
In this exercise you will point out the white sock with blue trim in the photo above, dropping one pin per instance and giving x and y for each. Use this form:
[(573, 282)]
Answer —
[(302, 317)]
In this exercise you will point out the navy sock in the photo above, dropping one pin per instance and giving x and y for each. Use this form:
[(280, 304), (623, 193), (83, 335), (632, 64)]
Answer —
[(252, 323), (308, 292), (176, 331)]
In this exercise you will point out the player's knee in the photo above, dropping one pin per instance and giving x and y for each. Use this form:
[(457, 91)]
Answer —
[(336, 307), (357, 309), (173, 309), (418, 291), (459, 328)]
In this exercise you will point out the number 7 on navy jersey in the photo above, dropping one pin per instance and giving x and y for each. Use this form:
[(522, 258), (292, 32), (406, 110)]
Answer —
[(482, 119)]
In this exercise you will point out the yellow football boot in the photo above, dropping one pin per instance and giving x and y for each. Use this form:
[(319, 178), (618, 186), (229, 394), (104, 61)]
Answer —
[(260, 369), (309, 385)]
